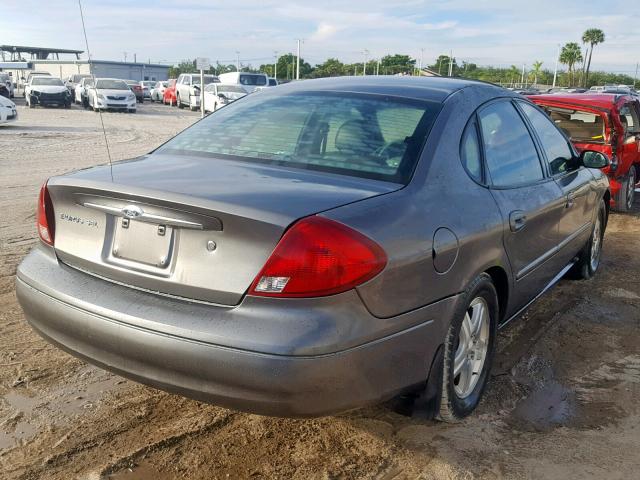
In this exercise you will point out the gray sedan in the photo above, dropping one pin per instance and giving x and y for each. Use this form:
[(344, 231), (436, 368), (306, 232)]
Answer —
[(319, 246)]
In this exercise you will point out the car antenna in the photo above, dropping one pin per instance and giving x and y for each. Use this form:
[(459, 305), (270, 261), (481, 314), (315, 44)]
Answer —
[(93, 77)]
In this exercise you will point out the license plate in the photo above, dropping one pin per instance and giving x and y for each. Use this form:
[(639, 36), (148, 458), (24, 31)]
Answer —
[(142, 242)]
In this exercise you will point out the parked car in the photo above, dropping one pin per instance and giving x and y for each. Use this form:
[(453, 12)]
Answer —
[(147, 85), (8, 111), (73, 81), (217, 95), (169, 94), (4, 91), (249, 81), (46, 91), (157, 92), (606, 123), (188, 89), (136, 88), (111, 94), (319, 246), (7, 81), (80, 94)]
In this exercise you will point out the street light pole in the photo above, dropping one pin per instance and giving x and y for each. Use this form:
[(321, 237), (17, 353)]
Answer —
[(366, 55), (237, 61), (275, 65), (555, 71), (421, 59), (298, 62), (635, 77)]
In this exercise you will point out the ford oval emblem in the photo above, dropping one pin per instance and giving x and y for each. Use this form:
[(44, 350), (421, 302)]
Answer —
[(132, 211)]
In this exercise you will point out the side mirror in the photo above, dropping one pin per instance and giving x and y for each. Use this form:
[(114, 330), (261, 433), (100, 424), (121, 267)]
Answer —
[(593, 159)]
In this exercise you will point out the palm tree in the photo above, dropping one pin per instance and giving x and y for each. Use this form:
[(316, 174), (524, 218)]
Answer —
[(569, 56), (593, 37), (536, 68)]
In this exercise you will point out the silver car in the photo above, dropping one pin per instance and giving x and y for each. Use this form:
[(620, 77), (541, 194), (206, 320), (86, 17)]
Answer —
[(319, 246)]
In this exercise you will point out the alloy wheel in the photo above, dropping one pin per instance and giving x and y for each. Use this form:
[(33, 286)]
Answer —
[(472, 348), (631, 188)]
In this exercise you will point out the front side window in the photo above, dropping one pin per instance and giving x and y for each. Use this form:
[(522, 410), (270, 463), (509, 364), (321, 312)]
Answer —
[(370, 136), (555, 145), (629, 119), (510, 153)]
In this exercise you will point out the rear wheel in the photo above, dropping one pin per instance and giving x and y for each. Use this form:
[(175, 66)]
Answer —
[(469, 350), (631, 187), (178, 101), (589, 258)]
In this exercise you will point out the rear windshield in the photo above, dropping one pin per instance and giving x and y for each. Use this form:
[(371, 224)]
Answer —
[(111, 85), (580, 126), (47, 81), (248, 79), (371, 136)]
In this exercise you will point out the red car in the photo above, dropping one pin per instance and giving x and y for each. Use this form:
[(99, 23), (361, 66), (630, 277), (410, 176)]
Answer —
[(169, 95), (608, 123)]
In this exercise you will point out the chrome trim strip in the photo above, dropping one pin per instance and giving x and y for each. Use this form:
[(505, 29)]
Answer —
[(146, 217)]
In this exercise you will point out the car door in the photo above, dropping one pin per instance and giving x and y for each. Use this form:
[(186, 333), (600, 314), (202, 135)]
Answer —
[(575, 181), (530, 202), (630, 149)]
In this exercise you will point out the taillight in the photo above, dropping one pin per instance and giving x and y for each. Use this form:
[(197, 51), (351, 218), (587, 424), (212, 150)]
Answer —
[(318, 257), (46, 220)]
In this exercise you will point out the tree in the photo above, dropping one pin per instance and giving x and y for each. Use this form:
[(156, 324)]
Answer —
[(332, 67), (287, 67), (569, 56), (536, 68), (593, 37), (185, 66), (394, 64), (442, 66)]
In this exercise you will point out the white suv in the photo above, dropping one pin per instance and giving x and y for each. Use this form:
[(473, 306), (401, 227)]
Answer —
[(188, 89)]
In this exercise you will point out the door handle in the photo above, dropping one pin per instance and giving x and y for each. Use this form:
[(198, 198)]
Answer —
[(517, 220), (571, 200)]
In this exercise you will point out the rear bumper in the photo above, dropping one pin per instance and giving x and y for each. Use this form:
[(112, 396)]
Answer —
[(187, 360)]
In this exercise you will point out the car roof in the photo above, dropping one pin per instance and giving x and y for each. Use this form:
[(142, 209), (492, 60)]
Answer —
[(600, 100), (423, 88)]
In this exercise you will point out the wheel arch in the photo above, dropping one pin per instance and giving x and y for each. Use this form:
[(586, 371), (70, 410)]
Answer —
[(500, 281)]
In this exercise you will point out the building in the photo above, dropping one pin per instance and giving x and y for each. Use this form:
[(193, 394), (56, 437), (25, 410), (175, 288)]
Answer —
[(25, 59)]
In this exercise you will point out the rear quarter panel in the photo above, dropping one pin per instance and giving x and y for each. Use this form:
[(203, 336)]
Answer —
[(441, 194)]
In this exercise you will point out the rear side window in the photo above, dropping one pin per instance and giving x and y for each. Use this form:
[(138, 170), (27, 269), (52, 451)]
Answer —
[(470, 152), (555, 145), (510, 153), (579, 125), (629, 118), (362, 135)]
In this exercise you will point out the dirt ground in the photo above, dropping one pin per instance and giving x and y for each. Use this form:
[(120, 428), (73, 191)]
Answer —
[(562, 402)]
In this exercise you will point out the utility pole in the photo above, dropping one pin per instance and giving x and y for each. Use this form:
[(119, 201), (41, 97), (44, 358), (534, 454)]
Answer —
[(378, 68), (298, 61), (275, 65), (450, 63), (366, 55), (237, 61), (635, 77), (125, 57), (522, 77), (135, 58), (421, 59), (555, 72)]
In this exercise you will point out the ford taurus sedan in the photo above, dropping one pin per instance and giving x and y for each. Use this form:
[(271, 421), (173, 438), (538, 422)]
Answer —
[(319, 246)]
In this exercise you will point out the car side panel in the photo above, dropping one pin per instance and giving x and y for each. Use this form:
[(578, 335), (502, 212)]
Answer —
[(440, 196)]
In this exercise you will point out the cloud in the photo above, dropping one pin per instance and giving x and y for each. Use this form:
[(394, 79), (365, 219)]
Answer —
[(324, 31)]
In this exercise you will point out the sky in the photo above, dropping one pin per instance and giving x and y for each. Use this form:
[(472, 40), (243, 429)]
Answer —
[(486, 32)]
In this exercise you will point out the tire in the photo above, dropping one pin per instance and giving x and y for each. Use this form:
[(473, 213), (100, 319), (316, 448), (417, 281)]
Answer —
[(178, 101), (626, 203), (31, 104), (460, 393), (131, 110), (588, 258)]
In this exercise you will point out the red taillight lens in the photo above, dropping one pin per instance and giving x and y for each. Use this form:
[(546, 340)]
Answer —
[(318, 257), (46, 221)]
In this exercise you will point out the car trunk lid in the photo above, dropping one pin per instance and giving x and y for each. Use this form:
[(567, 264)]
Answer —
[(197, 228)]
